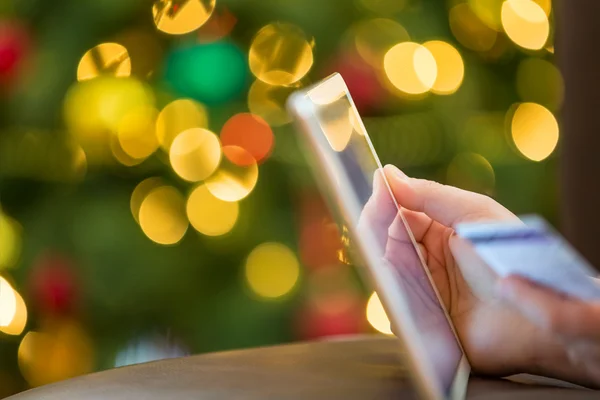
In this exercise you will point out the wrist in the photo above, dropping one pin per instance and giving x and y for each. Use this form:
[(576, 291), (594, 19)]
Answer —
[(552, 360)]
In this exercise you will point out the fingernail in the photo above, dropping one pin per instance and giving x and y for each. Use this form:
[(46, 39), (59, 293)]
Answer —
[(397, 172)]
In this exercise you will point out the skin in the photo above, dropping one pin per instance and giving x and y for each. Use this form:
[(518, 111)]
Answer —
[(507, 326)]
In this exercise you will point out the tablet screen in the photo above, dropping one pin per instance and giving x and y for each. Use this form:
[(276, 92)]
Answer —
[(378, 216)]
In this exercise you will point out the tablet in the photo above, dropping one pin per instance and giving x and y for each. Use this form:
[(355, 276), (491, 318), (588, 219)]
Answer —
[(350, 175)]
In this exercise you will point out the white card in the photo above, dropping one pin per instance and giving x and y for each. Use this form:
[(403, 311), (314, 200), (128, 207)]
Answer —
[(532, 249)]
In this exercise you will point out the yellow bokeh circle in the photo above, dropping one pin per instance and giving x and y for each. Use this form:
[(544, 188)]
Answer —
[(376, 315), (162, 215), (105, 59), (470, 30), (209, 215), (178, 116), (13, 312), (450, 67), (473, 172), (272, 270), (195, 154), (268, 102), (535, 131), (140, 192), (236, 177), (136, 132), (525, 23), (10, 241), (374, 37), (411, 68), (280, 54), (181, 17)]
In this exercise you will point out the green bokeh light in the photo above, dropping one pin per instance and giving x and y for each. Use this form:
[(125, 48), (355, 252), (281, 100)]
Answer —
[(212, 73)]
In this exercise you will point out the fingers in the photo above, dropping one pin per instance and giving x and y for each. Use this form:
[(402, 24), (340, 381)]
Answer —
[(446, 204), (551, 311)]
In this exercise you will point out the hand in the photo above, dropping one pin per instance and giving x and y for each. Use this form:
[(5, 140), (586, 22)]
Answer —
[(498, 339), (575, 323)]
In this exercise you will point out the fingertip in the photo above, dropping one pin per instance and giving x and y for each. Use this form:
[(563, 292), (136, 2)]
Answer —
[(394, 172)]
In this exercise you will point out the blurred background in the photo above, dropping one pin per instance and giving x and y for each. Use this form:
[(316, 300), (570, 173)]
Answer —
[(154, 199)]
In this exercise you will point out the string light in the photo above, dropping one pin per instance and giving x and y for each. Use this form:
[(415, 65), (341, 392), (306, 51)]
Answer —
[(195, 154), (272, 270), (162, 216), (525, 23), (136, 132), (178, 116), (236, 177), (411, 68), (469, 30), (13, 312), (268, 101), (450, 67), (140, 192), (535, 131), (178, 17), (120, 155), (280, 54), (374, 37), (209, 215), (61, 350), (251, 133), (376, 315), (8, 303), (488, 11), (10, 241), (105, 59)]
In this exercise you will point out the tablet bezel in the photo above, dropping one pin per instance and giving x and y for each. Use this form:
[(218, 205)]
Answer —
[(394, 302)]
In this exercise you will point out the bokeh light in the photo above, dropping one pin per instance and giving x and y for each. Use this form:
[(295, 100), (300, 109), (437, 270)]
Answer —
[(268, 102), (140, 192), (251, 133), (411, 68), (450, 67), (540, 81), (178, 116), (525, 23), (13, 312), (280, 54), (209, 215), (94, 109), (376, 315), (374, 37), (217, 27), (469, 30), (488, 11), (195, 154), (120, 155), (8, 303), (162, 215), (10, 241), (213, 73), (137, 132), (105, 59), (236, 177), (178, 17), (60, 351), (272, 270), (471, 171), (535, 131)]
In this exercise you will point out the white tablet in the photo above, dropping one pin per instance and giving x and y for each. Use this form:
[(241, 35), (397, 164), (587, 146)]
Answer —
[(350, 175)]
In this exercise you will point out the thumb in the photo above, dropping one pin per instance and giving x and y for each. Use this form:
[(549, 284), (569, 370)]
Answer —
[(445, 204)]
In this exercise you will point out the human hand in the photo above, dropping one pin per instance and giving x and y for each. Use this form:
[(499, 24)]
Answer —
[(498, 339), (574, 323)]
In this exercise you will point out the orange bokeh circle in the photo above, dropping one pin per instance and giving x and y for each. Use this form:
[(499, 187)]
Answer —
[(251, 133)]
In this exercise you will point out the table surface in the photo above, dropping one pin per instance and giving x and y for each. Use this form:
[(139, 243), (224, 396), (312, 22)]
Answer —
[(357, 368)]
